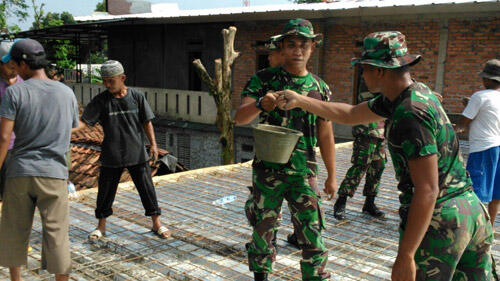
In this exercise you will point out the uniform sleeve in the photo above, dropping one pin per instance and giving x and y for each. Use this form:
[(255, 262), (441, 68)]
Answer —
[(326, 93), (145, 112), (92, 112), (414, 132), (380, 106), (254, 88), (8, 108), (472, 108)]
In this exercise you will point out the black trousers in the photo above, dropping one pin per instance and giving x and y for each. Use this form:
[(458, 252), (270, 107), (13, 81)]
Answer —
[(108, 183)]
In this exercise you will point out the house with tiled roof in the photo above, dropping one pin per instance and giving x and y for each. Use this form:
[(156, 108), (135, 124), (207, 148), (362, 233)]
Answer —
[(85, 153)]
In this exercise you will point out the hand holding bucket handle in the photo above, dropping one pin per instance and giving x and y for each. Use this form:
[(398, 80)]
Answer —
[(269, 101)]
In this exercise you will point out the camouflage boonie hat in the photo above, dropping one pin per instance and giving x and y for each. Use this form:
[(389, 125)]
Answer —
[(301, 27), (386, 49), (272, 44)]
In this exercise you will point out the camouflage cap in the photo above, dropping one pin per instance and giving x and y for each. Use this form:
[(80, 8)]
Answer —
[(301, 27), (386, 49), (272, 44)]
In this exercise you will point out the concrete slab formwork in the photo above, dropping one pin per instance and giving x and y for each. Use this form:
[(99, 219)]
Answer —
[(208, 240)]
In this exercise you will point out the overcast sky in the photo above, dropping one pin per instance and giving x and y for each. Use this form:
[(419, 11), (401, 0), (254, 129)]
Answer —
[(85, 7)]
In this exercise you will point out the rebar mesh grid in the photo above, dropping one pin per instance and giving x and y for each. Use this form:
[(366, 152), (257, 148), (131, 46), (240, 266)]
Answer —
[(208, 240)]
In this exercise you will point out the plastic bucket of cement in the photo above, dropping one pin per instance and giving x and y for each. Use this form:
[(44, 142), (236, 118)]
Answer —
[(274, 143)]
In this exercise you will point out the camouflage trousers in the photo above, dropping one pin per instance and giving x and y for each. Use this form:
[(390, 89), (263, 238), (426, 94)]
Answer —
[(368, 156), (458, 242), (263, 208)]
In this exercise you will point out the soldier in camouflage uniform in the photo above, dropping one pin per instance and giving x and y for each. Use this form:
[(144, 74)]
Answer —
[(294, 181), (275, 60), (445, 230), (368, 156)]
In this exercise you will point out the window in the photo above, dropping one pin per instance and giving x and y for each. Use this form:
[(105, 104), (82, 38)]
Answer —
[(247, 148), (261, 62), (171, 140), (194, 79), (184, 149)]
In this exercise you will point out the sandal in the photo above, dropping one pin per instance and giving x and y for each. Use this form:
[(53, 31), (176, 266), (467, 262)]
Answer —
[(96, 235), (162, 232)]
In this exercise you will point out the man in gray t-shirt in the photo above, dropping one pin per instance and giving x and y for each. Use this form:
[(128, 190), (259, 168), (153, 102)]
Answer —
[(42, 113)]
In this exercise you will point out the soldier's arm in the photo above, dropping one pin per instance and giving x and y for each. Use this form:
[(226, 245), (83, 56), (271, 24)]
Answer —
[(246, 112), (327, 150), (424, 175), (342, 113)]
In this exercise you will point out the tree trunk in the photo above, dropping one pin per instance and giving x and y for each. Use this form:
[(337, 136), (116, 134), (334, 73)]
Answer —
[(220, 90)]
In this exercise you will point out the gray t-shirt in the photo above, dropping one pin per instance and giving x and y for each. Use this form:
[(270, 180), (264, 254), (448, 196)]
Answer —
[(44, 111), (122, 120)]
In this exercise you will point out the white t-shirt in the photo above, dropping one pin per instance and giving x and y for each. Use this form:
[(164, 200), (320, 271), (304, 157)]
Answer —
[(484, 111)]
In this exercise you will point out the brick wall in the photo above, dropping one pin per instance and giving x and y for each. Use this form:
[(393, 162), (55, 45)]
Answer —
[(470, 44), (423, 38)]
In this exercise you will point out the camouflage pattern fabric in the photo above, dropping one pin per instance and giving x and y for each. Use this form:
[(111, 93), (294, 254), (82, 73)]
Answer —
[(374, 129), (386, 49), (250, 210), (368, 153), (291, 181), (300, 27), (417, 127), (303, 159), (368, 156), (272, 44), (262, 209), (458, 242)]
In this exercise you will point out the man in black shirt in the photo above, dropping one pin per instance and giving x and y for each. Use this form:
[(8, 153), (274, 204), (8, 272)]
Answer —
[(125, 117)]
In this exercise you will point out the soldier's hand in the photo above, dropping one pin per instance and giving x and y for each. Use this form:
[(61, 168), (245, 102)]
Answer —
[(330, 187), (269, 101), (288, 99), (404, 269)]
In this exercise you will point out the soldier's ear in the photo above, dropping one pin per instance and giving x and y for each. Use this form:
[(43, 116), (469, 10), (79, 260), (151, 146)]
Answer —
[(380, 72)]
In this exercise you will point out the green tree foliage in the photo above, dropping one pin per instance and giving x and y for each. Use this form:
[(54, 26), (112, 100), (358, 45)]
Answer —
[(61, 52), (101, 6), (12, 8)]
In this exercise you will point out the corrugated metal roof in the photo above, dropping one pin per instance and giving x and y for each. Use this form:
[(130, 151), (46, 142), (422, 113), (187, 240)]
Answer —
[(316, 7)]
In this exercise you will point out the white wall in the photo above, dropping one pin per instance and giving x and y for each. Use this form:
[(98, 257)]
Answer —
[(166, 102)]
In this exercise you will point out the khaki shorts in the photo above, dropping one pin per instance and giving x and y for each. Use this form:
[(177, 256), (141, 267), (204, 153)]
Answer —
[(21, 196)]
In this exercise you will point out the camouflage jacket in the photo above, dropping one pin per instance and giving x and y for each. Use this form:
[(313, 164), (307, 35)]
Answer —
[(418, 126), (303, 159), (374, 129)]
